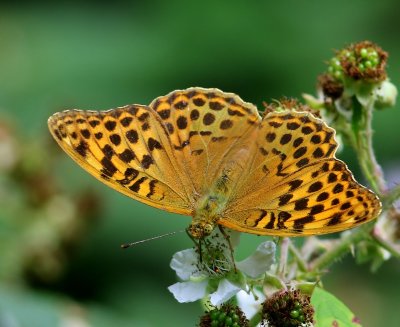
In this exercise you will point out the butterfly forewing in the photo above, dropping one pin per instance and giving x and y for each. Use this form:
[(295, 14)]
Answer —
[(126, 148), (295, 185)]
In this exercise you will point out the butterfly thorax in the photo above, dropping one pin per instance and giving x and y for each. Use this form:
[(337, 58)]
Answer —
[(213, 203), (207, 214)]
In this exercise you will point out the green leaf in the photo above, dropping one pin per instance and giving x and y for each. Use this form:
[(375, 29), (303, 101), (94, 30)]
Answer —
[(329, 311)]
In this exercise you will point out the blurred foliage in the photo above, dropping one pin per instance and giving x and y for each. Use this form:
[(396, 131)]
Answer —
[(60, 229)]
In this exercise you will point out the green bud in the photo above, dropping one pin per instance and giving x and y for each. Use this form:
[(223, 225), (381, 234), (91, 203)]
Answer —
[(214, 323), (294, 314), (336, 63), (228, 321), (373, 54), (346, 53), (221, 316), (235, 317), (214, 315), (368, 64), (374, 61), (338, 74), (363, 53)]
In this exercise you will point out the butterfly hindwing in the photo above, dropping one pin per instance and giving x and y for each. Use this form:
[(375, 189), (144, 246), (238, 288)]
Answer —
[(295, 185)]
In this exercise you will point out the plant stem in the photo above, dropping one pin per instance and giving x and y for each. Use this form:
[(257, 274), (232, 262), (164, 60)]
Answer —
[(391, 197), (340, 249), (386, 245), (295, 252), (370, 166), (274, 281), (283, 256)]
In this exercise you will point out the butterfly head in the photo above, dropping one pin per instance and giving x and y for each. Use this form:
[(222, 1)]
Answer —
[(200, 230)]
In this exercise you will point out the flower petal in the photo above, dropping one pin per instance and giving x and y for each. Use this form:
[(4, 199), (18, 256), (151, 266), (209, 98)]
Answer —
[(249, 305), (260, 261), (224, 292), (189, 291), (184, 263)]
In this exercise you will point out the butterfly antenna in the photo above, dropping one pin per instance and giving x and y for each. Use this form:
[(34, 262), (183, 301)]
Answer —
[(128, 245)]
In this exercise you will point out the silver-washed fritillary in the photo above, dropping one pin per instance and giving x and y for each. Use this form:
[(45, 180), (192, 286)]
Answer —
[(210, 155)]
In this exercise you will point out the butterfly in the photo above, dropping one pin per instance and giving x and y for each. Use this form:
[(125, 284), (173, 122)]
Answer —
[(210, 155)]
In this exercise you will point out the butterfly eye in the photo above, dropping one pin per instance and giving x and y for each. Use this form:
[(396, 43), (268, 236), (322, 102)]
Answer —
[(208, 228), (195, 230)]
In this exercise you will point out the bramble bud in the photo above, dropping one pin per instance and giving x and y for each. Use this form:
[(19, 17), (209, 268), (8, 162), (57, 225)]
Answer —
[(227, 315), (360, 61), (289, 104), (330, 86), (288, 308)]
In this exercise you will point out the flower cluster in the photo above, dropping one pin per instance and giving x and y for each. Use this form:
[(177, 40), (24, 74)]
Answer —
[(208, 272), (225, 316), (289, 104), (363, 60), (360, 70), (287, 309)]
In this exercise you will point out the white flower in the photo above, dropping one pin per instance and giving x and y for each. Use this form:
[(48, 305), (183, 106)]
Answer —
[(215, 275), (260, 261)]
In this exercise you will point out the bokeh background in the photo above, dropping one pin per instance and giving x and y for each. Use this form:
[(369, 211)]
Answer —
[(60, 229)]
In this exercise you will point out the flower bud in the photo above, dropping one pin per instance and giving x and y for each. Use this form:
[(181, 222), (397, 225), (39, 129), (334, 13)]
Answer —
[(288, 308), (386, 95), (289, 104), (361, 61), (226, 315)]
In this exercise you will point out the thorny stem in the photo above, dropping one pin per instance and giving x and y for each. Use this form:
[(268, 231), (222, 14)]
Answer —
[(386, 245), (299, 260), (274, 281), (340, 249), (394, 249), (368, 162), (391, 197), (374, 174)]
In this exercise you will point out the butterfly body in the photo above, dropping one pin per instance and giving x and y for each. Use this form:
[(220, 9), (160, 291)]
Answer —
[(208, 154)]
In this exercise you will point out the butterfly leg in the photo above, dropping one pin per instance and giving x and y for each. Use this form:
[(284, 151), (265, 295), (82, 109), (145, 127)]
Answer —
[(228, 240)]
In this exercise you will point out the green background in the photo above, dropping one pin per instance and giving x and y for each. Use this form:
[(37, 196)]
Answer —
[(99, 55)]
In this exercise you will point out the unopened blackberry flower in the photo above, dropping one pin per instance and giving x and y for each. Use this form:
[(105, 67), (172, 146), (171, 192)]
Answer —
[(288, 308), (228, 315)]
